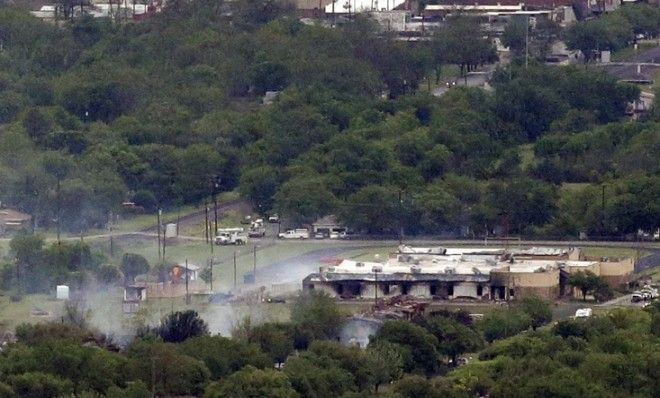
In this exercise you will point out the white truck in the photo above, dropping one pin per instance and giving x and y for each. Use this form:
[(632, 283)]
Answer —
[(300, 233), (230, 236)]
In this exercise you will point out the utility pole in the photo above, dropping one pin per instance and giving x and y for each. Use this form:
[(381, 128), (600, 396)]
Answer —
[(59, 215), (215, 213), (112, 246), (254, 266), (187, 277), (602, 208), (216, 185), (400, 219), (234, 269), (206, 222), (333, 12), (527, 42), (375, 287), (158, 213), (211, 268)]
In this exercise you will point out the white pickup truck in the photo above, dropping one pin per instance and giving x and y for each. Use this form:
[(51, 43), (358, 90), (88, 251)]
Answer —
[(300, 233), (230, 238)]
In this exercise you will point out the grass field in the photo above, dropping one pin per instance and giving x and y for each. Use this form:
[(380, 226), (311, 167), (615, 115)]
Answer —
[(13, 314), (105, 309), (198, 252), (613, 252)]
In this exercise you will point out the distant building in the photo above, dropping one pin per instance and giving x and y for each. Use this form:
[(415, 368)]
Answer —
[(347, 7), (13, 220), (311, 8), (179, 273), (328, 225), (466, 273)]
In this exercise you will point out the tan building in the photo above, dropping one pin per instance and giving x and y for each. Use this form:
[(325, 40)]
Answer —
[(465, 273)]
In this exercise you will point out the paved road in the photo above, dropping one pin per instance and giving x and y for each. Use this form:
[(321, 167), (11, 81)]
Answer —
[(474, 79), (629, 72)]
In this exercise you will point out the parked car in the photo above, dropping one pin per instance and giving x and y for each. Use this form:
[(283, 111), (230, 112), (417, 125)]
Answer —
[(246, 220), (334, 235), (257, 232), (319, 235), (274, 218), (583, 313), (294, 234)]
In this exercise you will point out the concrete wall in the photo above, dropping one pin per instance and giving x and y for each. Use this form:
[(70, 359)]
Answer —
[(534, 279), (466, 289), (421, 289), (548, 293), (524, 284), (325, 287), (617, 273), (595, 268)]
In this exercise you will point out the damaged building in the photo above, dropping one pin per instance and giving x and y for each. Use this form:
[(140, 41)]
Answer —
[(465, 273)]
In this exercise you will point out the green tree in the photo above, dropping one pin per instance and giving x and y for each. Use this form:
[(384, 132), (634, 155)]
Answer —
[(516, 35), (133, 265), (385, 361), (454, 338), (504, 323), (538, 309), (419, 345), (303, 200), (462, 43), (274, 339), (181, 326), (414, 386), (39, 385), (318, 315), (251, 382), (163, 364), (225, 356), (587, 282)]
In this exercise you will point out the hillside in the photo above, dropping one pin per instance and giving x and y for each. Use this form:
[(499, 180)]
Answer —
[(167, 111)]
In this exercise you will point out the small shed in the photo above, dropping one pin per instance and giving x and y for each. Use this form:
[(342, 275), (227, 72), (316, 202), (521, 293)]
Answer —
[(134, 293), (179, 273), (62, 292), (13, 220), (327, 225)]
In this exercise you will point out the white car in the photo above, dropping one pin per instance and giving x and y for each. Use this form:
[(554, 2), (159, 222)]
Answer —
[(583, 313), (294, 234)]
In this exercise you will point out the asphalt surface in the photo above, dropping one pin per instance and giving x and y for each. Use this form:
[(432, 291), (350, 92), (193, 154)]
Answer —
[(629, 72)]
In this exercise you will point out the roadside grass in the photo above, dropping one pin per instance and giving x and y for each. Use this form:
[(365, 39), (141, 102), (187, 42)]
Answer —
[(13, 314), (653, 272), (226, 219), (574, 186), (602, 251), (4, 250), (198, 253), (628, 52)]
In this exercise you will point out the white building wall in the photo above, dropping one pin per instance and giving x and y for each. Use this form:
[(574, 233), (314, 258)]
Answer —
[(420, 290), (465, 289), (368, 291)]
